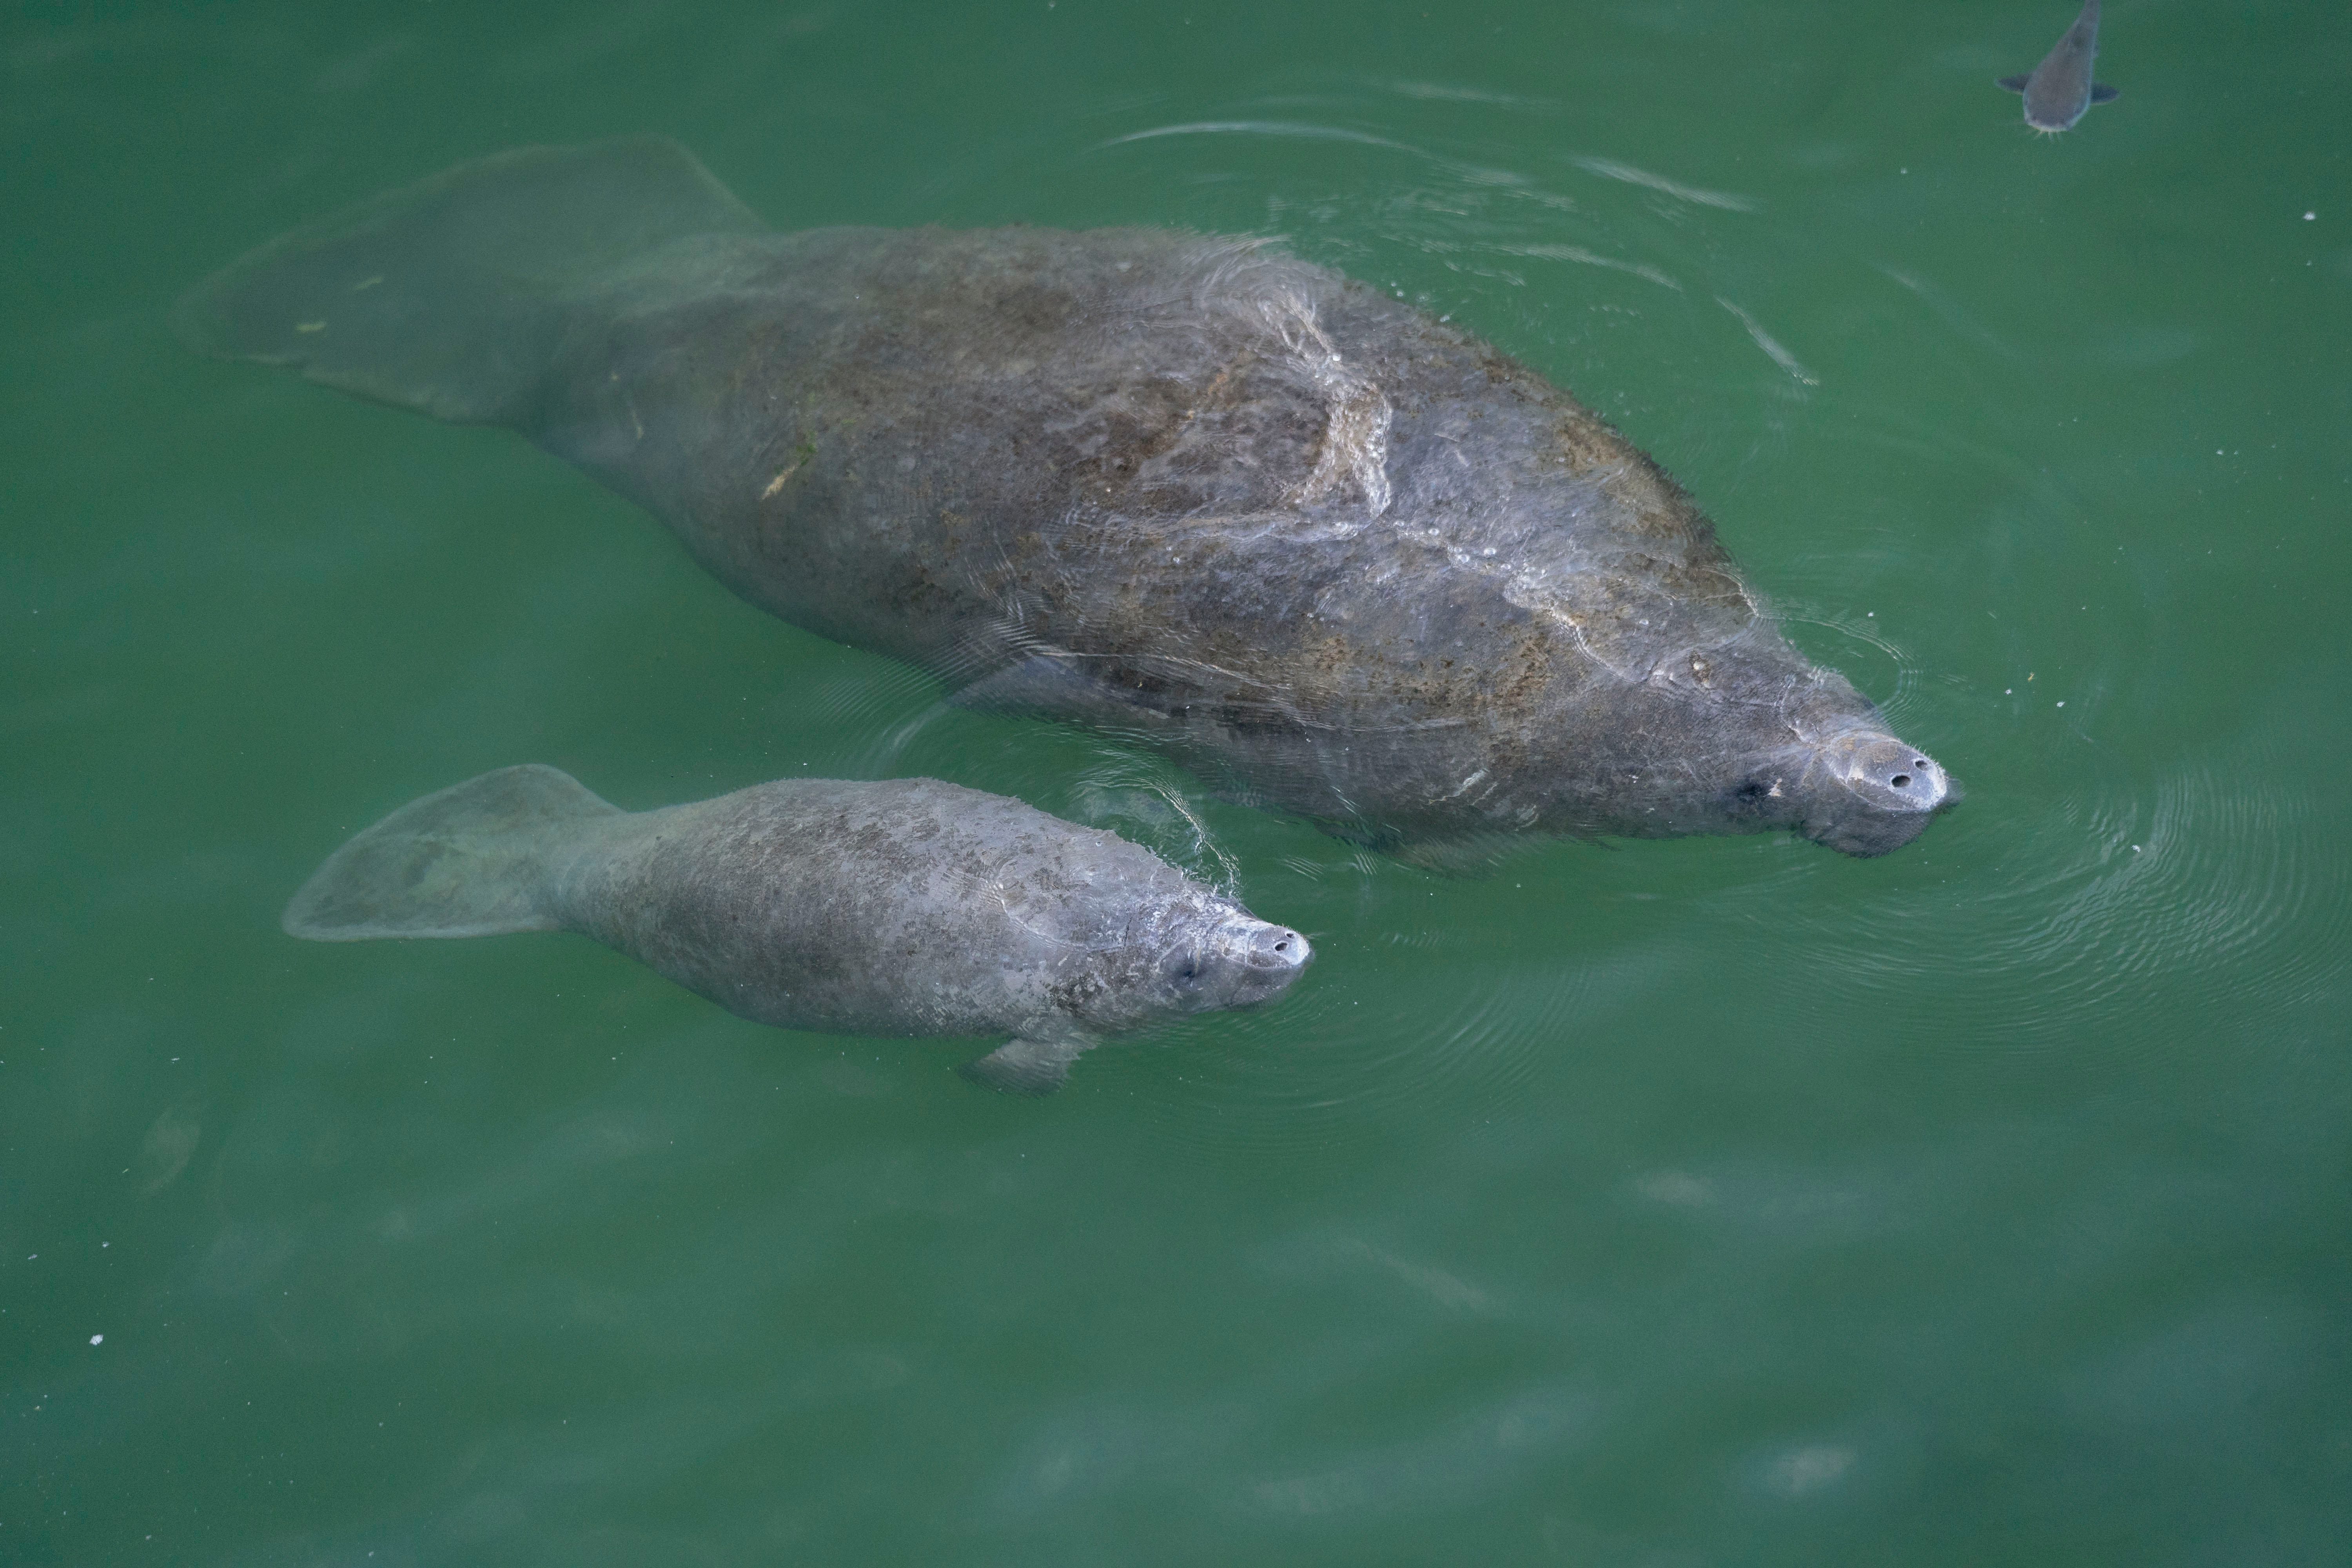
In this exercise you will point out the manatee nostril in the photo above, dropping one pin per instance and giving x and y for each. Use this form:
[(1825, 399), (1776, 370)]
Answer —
[(1285, 952), (1920, 762), (1900, 781)]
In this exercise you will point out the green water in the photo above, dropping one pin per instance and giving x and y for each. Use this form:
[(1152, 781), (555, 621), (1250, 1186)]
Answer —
[(1720, 1201)]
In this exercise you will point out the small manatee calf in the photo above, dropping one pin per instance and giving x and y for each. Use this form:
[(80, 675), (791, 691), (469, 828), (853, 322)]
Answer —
[(2060, 91), (908, 907), (1335, 555)]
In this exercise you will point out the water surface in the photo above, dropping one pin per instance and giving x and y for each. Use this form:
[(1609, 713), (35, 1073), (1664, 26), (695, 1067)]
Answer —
[(1715, 1200)]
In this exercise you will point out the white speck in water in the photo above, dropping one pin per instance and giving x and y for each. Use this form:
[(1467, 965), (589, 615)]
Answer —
[(2135, 848), (1676, 1187), (2062, 702), (2309, 217), (97, 1339), (1810, 1469)]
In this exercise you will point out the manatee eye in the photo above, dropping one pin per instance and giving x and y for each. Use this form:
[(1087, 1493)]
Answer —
[(1181, 970)]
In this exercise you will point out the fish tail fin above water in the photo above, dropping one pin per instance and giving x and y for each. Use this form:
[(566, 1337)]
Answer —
[(447, 296), (468, 860)]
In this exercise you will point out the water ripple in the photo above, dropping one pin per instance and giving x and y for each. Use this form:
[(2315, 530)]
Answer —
[(2213, 886)]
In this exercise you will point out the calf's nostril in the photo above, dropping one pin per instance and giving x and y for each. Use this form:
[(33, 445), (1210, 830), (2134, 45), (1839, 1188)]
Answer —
[(1900, 781)]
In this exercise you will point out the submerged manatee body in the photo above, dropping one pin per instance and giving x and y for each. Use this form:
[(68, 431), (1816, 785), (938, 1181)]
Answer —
[(1344, 558), (910, 906)]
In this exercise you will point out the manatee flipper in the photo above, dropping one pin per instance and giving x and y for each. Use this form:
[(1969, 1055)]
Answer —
[(1030, 1066), (465, 861), (1461, 854), (1135, 692), (447, 296), (2102, 93), (1055, 685), (2014, 83), (1040, 683)]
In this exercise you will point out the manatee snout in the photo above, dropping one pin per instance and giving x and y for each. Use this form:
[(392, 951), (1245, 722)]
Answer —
[(1238, 963), (1861, 792), (1868, 793)]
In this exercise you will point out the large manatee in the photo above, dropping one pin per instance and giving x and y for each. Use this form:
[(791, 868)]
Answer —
[(909, 907), (1347, 560)]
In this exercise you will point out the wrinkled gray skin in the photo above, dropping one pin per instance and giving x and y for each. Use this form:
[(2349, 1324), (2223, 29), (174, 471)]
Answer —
[(2059, 91), (1344, 558), (910, 906)]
